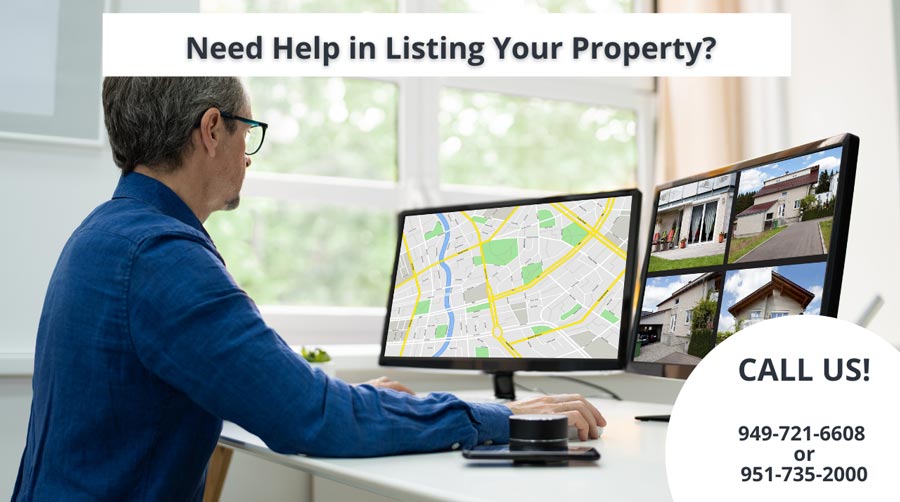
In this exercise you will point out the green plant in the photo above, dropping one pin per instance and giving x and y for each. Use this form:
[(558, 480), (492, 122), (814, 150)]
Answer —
[(819, 211), (315, 355), (702, 337), (808, 202), (722, 336)]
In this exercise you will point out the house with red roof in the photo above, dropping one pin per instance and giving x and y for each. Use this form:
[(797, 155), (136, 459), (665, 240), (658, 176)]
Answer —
[(777, 203), (777, 298)]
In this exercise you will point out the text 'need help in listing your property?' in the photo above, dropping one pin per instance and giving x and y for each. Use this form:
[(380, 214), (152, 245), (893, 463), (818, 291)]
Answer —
[(441, 49)]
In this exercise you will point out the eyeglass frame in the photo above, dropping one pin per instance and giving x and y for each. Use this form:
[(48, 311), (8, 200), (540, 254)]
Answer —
[(252, 123)]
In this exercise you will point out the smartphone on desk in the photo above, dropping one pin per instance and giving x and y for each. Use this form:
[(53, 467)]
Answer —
[(502, 452)]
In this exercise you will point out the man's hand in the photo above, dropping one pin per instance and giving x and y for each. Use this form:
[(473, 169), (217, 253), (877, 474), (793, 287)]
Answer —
[(581, 413), (387, 383)]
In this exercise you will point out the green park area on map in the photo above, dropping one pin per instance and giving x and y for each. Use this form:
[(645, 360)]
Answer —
[(546, 218), (573, 234), (501, 252), (423, 307), (438, 230), (609, 316), (571, 312), (531, 271)]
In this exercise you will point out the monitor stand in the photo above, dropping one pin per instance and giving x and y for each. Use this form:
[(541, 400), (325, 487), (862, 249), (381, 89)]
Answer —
[(504, 388)]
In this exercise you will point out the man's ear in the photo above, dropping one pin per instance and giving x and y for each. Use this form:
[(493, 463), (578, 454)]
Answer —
[(210, 131)]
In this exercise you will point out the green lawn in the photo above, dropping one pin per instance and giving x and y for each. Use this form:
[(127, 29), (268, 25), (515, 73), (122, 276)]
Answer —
[(658, 264), (743, 245), (826, 232)]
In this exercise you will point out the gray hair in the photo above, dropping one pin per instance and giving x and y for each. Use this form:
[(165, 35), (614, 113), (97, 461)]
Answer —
[(149, 119)]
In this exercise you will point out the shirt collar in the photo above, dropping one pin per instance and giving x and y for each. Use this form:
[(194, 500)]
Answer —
[(144, 188)]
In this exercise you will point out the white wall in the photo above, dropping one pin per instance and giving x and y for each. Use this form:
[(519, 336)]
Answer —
[(45, 192), (844, 79), (15, 401)]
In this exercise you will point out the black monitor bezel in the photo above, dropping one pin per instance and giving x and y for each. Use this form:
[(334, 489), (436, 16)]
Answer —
[(493, 365), (834, 267)]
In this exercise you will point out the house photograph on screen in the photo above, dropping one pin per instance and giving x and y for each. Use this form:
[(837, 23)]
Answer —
[(786, 209), (756, 294), (691, 227), (676, 318)]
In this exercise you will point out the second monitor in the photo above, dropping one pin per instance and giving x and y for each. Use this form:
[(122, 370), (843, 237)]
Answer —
[(757, 240)]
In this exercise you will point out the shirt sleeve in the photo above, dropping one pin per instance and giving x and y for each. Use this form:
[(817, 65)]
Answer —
[(195, 329)]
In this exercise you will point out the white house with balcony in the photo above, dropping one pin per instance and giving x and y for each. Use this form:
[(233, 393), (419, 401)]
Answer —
[(696, 212)]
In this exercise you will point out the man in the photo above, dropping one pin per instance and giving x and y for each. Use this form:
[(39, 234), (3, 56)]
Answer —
[(146, 343)]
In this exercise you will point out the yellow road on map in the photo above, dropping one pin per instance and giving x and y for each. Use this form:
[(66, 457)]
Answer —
[(418, 295), (497, 331), (579, 321), (566, 257)]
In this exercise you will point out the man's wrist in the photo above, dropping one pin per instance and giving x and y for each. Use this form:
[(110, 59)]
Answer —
[(491, 421)]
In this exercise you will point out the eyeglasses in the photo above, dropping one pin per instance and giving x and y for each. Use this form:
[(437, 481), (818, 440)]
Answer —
[(256, 134)]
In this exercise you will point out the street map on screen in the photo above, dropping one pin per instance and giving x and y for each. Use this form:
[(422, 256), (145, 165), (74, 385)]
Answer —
[(529, 281)]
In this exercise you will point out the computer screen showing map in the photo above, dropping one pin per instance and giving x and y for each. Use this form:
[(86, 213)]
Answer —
[(530, 280)]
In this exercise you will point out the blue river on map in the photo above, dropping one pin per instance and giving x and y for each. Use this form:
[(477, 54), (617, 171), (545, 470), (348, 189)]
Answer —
[(447, 285)]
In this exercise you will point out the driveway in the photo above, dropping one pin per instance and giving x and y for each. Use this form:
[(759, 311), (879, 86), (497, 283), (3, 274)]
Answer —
[(799, 239)]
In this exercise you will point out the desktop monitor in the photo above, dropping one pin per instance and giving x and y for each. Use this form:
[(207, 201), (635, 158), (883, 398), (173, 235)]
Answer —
[(540, 284), (756, 240)]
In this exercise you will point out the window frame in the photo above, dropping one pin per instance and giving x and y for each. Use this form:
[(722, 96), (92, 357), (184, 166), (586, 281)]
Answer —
[(418, 181)]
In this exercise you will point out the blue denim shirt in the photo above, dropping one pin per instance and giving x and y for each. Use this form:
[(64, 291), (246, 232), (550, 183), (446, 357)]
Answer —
[(146, 344)]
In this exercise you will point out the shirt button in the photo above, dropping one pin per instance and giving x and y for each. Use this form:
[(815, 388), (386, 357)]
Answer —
[(454, 446)]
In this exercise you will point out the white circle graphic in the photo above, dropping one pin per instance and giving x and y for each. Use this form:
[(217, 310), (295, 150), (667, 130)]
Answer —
[(796, 408)]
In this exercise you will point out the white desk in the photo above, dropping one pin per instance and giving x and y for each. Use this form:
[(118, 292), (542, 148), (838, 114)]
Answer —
[(632, 467)]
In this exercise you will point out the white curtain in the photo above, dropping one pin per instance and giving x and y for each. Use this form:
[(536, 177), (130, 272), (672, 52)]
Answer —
[(696, 217), (700, 119), (709, 219)]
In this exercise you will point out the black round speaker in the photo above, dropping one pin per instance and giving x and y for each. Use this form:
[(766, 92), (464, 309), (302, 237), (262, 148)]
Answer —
[(538, 432)]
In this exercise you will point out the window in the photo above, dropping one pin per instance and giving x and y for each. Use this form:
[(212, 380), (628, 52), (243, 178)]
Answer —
[(314, 239), (755, 315), (775, 315), (781, 210), (796, 204), (674, 321), (687, 316), (703, 218)]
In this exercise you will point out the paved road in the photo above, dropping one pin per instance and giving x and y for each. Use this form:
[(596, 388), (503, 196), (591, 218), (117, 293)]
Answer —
[(799, 239)]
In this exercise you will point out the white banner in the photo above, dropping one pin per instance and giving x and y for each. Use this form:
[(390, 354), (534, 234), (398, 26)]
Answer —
[(439, 45)]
